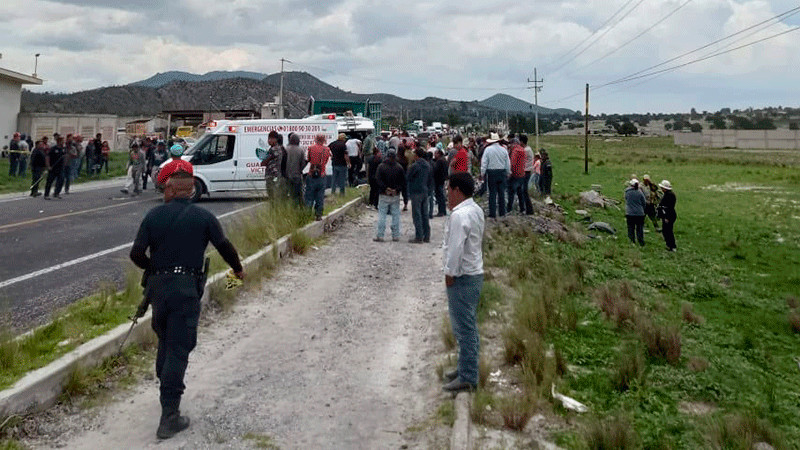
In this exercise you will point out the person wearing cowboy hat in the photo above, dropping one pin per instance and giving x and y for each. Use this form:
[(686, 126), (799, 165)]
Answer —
[(495, 169), (666, 212), (635, 202)]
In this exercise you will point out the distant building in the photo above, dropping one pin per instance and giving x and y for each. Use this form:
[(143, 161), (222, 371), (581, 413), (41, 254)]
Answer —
[(10, 99), (87, 125)]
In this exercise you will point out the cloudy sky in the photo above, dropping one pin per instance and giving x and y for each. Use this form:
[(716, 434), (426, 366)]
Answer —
[(454, 49)]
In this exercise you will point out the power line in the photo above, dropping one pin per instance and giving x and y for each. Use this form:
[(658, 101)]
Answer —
[(787, 14), (669, 69), (657, 23), (590, 36), (599, 37)]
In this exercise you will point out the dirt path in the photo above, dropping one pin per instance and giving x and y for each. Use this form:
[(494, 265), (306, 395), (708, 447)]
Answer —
[(337, 350)]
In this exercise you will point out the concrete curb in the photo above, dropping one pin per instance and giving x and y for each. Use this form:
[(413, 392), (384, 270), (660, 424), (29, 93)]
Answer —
[(462, 427), (41, 388), (79, 187)]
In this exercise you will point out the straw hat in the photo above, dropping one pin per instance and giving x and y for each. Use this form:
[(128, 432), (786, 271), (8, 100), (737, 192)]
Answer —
[(493, 137), (633, 182), (665, 185)]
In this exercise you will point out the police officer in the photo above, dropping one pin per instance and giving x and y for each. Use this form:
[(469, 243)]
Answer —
[(176, 233)]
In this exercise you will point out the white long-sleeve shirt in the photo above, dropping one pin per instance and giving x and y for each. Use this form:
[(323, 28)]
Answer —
[(495, 157), (463, 238)]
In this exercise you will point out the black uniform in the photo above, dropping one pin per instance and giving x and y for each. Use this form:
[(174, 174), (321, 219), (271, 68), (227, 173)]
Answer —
[(666, 209), (177, 234), (56, 154)]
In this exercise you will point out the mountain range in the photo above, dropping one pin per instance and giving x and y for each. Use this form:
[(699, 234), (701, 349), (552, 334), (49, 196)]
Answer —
[(222, 90)]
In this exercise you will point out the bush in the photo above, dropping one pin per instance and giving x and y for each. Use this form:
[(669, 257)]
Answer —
[(617, 303), (615, 433), (661, 341), (687, 311), (630, 368), (516, 411), (741, 432)]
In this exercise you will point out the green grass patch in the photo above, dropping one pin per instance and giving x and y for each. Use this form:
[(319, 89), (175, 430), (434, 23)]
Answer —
[(117, 166), (261, 441), (650, 331)]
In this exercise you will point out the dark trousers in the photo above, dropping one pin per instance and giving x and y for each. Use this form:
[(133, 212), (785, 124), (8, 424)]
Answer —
[(176, 312), (650, 211), (669, 234), (635, 228), (519, 189), (430, 204), (373, 193), (354, 170), (496, 183), (36, 178), (315, 194), (13, 162), (419, 212), (441, 200), (56, 175), (296, 190)]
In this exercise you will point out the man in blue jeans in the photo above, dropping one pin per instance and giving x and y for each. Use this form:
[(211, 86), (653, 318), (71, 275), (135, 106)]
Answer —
[(318, 155), (391, 181), (340, 162), (495, 169), (463, 276)]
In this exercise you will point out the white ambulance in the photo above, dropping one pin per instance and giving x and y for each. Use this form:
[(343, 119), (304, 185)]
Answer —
[(225, 160)]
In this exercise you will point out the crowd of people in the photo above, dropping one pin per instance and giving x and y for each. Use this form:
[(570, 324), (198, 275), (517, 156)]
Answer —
[(144, 159), (642, 201), (58, 163)]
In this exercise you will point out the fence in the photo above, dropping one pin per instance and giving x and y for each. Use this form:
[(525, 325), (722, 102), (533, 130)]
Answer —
[(753, 139)]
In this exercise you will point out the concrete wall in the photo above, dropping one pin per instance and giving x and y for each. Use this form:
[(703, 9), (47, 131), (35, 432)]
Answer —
[(749, 139), (87, 125), (10, 94)]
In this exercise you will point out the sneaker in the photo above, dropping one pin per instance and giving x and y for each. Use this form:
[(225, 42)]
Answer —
[(172, 425), (378, 239), (450, 376)]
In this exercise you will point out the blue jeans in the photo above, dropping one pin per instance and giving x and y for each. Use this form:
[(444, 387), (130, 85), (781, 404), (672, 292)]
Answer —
[(420, 214), (339, 178), (22, 166), (391, 205), (462, 299), (496, 180), (315, 194)]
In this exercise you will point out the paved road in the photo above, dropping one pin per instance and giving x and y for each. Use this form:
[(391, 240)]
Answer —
[(55, 252)]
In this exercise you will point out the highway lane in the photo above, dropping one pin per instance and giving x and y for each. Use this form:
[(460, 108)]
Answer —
[(57, 251)]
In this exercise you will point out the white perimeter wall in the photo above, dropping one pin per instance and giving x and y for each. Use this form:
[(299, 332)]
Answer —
[(752, 139), (10, 95)]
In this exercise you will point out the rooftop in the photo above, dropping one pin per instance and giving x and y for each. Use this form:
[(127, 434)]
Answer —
[(20, 78)]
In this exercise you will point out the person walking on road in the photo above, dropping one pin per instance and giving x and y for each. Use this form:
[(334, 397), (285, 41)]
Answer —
[(318, 156), (38, 167), (176, 234), (55, 168), (635, 203), (136, 165), (495, 169), (463, 277), (340, 162), (391, 180), (419, 175), (667, 214)]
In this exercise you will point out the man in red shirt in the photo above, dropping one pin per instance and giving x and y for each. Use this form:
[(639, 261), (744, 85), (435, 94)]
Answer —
[(176, 164), (460, 162), (518, 185), (318, 156)]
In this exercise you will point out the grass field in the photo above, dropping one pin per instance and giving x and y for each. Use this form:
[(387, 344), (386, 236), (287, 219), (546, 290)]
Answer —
[(694, 349), (116, 167)]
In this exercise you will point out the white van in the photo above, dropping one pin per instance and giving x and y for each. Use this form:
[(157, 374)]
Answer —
[(224, 159)]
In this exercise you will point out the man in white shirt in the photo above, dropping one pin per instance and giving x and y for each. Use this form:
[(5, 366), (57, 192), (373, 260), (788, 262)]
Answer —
[(463, 276), (495, 169), (354, 153)]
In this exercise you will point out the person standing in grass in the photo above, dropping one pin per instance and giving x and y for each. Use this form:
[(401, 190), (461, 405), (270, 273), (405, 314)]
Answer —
[(635, 203), (653, 197), (666, 212), (463, 276)]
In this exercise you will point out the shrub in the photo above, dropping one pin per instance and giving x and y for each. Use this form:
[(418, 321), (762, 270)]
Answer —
[(513, 345), (741, 431), (482, 402), (516, 411), (687, 311), (615, 433), (301, 242), (630, 368), (617, 303), (661, 341)]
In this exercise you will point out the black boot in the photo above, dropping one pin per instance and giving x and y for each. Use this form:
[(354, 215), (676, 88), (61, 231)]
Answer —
[(172, 423)]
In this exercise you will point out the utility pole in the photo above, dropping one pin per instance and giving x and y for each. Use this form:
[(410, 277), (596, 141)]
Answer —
[(536, 88), (586, 134), (280, 108)]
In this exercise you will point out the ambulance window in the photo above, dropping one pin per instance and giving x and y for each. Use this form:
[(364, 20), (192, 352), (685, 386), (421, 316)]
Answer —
[(217, 149)]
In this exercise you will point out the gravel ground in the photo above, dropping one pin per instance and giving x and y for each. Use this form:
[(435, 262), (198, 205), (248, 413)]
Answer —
[(337, 350)]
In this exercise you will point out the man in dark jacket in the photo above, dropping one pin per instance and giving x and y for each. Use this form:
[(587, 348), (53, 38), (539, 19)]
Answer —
[(666, 212), (419, 174), (440, 172), (55, 168), (373, 161), (38, 167), (391, 181)]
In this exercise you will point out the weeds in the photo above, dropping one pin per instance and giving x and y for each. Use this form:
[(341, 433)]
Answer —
[(615, 433), (741, 432), (617, 303), (261, 440), (630, 368), (516, 410), (446, 332), (446, 414), (688, 314), (792, 302), (482, 403), (300, 242), (697, 364), (794, 321), (661, 341)]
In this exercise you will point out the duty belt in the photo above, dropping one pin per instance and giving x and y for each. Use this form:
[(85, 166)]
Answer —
[(179, 270)]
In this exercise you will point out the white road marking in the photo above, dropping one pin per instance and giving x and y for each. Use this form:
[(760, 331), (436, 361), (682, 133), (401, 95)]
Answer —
[(83, 259)]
